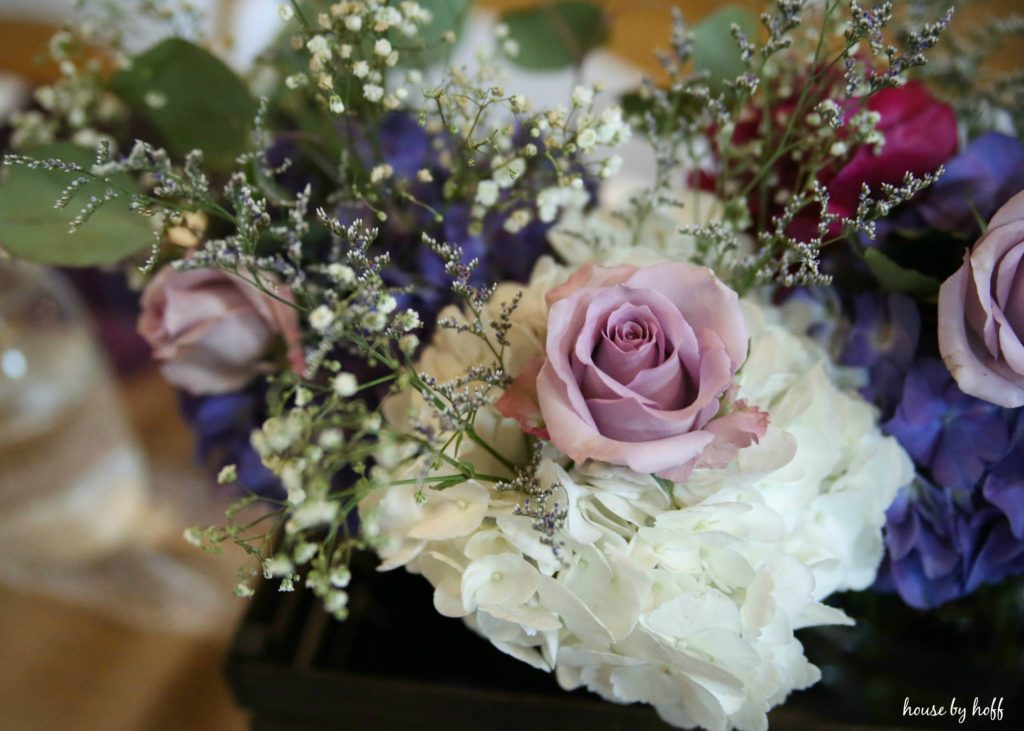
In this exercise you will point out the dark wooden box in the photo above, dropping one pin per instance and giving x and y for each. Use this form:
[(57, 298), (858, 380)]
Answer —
[(396, 664)]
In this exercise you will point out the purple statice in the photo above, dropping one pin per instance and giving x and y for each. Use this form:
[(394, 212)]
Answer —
[(222, 424), (976, 183), (883, 338), (960, 524)]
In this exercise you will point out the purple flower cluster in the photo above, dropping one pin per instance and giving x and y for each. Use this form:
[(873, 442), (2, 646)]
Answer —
[(960, 524), (883, 338), (222, 424), (401, 142)]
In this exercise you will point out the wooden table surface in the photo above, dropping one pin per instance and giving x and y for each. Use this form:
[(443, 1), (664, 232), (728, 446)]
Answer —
[(66, 667)]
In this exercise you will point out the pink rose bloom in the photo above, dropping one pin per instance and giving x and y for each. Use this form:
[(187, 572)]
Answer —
[(214, 332), (981, 312), (637, 362)]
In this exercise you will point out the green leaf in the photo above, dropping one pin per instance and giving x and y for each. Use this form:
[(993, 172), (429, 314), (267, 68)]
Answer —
[(448, 15), (667, 485), (896, 278), (192, 99), (555, 35), (31, 228), (715, 49)]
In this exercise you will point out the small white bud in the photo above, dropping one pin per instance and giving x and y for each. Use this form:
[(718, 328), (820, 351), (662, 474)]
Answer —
[(583, 96), (321, 318), (345, 384), (381, 172), (303, 396), (331, 439), (227, 474), (340, 577), (487, 193)]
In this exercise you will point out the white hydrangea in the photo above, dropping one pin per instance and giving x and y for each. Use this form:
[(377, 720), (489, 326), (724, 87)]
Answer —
[(606, 237), (688, 598)]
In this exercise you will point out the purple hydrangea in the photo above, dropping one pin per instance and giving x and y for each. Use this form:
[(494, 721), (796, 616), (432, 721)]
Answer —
[(942, 545), (883, 338), (986, 174), (402, 143), (961, 523), (222, 424), (953, 437)]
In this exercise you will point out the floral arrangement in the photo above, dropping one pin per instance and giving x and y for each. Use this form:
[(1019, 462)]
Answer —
[(634, 439)]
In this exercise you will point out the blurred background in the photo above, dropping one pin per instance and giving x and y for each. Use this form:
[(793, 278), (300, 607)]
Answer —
[(108, 619)]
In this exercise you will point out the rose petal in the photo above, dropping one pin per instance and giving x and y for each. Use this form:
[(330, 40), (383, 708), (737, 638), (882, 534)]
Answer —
[(973, 372), (1013, 305), (590, 275), (624, 365), (704, 301), (579, 439), (984, 262), (519, 401), (1012, 210), (740, 428)]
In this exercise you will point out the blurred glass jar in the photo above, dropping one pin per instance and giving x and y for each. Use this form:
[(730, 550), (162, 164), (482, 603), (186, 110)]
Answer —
[(72, 476)]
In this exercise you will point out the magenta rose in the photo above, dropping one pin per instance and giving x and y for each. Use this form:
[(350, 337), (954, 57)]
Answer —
[(920, 134), (637, 364), (981, 312), (214, 332)]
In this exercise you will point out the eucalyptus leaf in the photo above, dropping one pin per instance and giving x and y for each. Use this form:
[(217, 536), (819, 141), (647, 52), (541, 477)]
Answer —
[(446, 15), (896, 278), (557, 34), (31, 228), (714, 48), (192, 99)]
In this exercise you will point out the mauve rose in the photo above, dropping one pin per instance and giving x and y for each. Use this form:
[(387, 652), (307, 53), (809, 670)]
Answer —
[(981, 312), (214, 332), (637, 361), (920, 134)]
